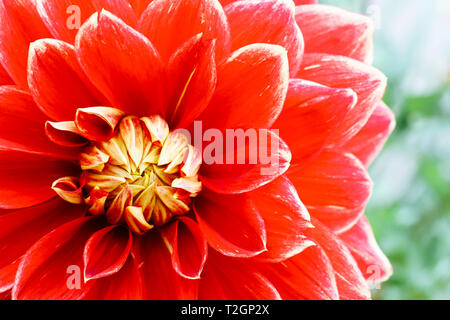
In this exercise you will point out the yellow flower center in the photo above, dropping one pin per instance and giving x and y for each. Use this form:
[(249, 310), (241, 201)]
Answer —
[(144, 176)]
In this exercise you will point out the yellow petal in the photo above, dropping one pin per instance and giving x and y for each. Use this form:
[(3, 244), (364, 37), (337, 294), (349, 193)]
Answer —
[(134, 217), (157, 127), (175, 144), (69, 189)]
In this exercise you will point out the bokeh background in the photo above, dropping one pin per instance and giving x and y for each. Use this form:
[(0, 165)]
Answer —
[(410, 207)]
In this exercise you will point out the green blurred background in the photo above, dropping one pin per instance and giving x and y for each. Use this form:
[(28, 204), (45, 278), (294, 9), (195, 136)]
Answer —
[(410, 206)]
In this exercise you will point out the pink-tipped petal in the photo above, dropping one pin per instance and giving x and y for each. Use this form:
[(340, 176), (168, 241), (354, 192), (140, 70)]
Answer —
[(329, 29), (170, 23), (350, 282), (311, 115), (369, 141), (371, 260), (367, 82), (267, 21)]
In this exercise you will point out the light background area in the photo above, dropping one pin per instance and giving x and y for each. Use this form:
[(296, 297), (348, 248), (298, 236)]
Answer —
[(410, 207)]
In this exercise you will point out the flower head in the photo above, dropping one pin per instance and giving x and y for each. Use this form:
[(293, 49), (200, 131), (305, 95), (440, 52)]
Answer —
[(179, 149)]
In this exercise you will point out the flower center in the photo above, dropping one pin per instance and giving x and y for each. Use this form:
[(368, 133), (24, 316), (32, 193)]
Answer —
[(144, 176)]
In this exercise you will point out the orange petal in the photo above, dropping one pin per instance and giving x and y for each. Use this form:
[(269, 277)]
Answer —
[(122, 200), (93, 159), (136, 221), (96, 201), (170, 197), (69, 189), (65, 134), (98, 123), (133, 136)]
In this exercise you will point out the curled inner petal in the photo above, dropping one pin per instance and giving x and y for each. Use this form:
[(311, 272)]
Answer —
[(143, 176)]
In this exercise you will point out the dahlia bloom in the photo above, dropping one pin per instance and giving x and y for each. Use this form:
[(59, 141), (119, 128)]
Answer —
[(95, 176)]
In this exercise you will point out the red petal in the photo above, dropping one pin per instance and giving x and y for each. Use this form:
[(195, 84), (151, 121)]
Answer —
[(106, 252), (57, 81), (170, 23), (370, 140), (20, 229), (189, 247), (350, 282), (20, 25), (26, 179), (7, 277), (251, 89), (46, 268), (192, 80), (122, 64), (329, 29), (4, 77), (308, 275), (5, 295), (160, 281), (65, 134), (371, 260), (123, 285), (310, 116), (22, 126), (120, 8), (98, 123), (139, 6), (267, 21), (226, 2), (64, 17), (245, 166), (233, 279), (231, 224), (297, 2), (285, 218), (341, 72), (335, 188), (61, 16)]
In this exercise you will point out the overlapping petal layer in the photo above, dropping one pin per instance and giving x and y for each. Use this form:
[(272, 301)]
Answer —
[(292, 227)]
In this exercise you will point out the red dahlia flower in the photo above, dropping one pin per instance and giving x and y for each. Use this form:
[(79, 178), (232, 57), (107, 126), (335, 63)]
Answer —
[(102, 198)]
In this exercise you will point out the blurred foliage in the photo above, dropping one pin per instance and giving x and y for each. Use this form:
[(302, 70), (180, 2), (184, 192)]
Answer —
[(410, 207)]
